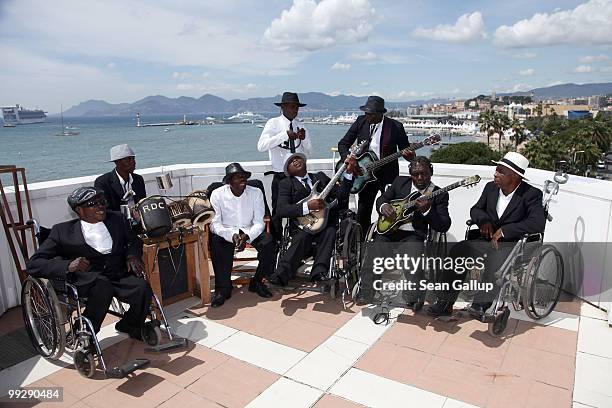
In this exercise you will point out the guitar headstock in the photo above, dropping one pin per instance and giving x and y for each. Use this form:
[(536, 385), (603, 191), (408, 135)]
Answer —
[(470, 181), (433, 139)]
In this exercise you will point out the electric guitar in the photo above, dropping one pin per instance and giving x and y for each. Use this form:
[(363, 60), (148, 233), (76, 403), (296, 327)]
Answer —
[(404, 207), (316, 221), (369, 163)]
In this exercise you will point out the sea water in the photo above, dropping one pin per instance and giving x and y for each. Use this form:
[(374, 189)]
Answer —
[(47, 156)]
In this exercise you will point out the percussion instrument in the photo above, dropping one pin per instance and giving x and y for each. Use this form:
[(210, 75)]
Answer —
[(154, 216), (180, 213), (202, 210)]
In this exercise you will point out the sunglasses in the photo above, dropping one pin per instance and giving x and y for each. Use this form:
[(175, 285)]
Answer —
[(95, 203)]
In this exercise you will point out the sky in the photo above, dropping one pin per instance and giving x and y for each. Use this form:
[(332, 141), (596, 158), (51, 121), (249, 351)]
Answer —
[(60, 53)]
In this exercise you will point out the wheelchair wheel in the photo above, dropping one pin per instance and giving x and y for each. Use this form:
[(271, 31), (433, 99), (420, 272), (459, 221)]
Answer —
[(151, 333), (473, 275), (351, 251), (497, 327), (85, 363), (43, 317), (542, 282)]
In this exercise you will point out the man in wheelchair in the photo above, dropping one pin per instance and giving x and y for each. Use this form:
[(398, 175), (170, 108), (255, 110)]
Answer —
[(507, 209), (296, 187), (100, 255)]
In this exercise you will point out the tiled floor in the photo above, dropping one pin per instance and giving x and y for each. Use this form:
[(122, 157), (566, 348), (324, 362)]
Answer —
[(303, 349)]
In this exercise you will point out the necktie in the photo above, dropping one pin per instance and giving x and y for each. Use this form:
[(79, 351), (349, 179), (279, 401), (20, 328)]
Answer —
[(291, 141), (305, 183)]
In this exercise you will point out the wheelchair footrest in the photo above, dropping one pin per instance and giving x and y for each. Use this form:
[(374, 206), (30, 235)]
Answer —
[(176, 342), (127, 368)]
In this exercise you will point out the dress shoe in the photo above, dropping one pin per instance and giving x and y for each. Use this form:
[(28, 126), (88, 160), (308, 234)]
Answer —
[(477, 310), (317, 277), (261, 289), (124, 327), (276, 281), (440, 308), (218, 300)]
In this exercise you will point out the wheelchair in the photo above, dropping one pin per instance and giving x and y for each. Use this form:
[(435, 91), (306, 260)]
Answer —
[(52, 314), (531, 277), (343, 273)]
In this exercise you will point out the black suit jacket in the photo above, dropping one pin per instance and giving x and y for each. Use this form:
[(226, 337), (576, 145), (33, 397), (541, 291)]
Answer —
[(291, 191), (66, 243), (524, 214), (437, 217), (113, 191), (392, 139)]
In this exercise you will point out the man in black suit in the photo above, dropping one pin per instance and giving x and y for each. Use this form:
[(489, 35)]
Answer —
[(295, 187), (508, 209), (121, 185), (429, 213), (99, 254), (386, 136)]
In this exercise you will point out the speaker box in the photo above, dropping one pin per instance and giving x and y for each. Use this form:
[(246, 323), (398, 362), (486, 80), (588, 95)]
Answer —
[(173, 278)]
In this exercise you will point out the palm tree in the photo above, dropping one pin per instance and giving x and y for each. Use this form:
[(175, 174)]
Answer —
[(538, 109), (518, 132), (501, 123), (486, 119), (600, 134)]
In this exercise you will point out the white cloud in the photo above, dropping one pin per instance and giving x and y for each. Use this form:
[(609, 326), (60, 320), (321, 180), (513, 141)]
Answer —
[(593, 58), (181, 75), (583, 69), (525, 55), (334, 93), (468, 27), (310, 26), (365, 84), (338, 66), (521, 87), (185, 87), (111, 65), (368, 56), (555, 83), (413, 94), (527, 72), (588, 23)]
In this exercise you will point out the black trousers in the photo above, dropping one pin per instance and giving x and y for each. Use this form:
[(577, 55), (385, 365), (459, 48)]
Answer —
[(129, 289), (222, 253), (301, 245), (367, 196), (276, 223)]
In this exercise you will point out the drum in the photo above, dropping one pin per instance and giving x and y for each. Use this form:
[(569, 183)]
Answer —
[(154, 216), (201, 208), (180, 213)]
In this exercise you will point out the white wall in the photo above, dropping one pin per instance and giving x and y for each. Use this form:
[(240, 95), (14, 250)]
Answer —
[(582, 211)]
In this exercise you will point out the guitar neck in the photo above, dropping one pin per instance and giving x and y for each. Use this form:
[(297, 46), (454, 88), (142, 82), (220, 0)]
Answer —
[(394, 156), (437, 192), (332, 182)]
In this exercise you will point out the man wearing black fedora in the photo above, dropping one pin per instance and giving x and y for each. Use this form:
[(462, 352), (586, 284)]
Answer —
[(281, 137), (238, 220), (507, 209), (386, 136)]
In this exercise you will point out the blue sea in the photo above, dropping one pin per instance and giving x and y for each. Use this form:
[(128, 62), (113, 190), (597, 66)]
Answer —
[(47, 156)]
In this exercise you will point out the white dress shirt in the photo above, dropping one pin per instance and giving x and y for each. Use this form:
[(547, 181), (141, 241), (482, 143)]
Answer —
[(233, 213), (274, 134), (375, 142), (127, 186), (503, 201), (97, 236)]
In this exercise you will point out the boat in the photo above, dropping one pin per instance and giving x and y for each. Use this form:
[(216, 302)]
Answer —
[(346, 119), (17, 115), (246, 117), (9, 125), (65, 129)]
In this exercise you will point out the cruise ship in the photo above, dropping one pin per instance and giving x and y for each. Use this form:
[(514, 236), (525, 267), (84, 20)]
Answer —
[(17, 115), (246, 117)]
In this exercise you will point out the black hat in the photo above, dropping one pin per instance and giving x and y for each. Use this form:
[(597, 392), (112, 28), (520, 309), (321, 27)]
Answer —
[(234, 168), (374, 104), (290, 97), (82, 195)]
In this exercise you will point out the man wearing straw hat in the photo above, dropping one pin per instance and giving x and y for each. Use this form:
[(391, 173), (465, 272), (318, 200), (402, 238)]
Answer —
[(507, 209), (121, 185)]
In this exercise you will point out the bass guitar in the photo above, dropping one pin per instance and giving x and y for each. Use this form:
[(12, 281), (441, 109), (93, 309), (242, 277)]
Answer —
[(316, 221), (369, 163), (404, 207)]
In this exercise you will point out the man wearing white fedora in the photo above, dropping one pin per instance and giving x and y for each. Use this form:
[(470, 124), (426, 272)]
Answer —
[(507, 209)]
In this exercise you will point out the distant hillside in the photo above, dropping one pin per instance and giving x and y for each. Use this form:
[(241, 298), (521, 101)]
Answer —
[(568, 91)]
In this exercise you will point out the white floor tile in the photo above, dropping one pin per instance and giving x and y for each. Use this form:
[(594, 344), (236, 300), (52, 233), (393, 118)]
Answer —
[(588, 310), (555, 319), (374, 391), (453, 403), (325, 364), (199, 330), (595, 337), (362, 328), (593, 378), (181, 306), (287, 394), (588, 398), (263, 353)]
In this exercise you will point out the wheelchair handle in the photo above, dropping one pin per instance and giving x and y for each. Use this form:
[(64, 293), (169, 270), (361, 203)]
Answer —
[(33, 222)]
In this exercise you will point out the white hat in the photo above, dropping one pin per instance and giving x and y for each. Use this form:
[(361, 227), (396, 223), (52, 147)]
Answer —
[(121, 152), (515, 162)]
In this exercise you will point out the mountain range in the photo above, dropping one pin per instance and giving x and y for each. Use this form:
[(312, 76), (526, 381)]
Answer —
[(316, 102)]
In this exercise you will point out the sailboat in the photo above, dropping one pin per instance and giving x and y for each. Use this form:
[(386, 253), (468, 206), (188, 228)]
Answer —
[(65, 131)]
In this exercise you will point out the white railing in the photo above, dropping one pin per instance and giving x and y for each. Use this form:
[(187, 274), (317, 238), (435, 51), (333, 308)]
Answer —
[(582, 211)]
